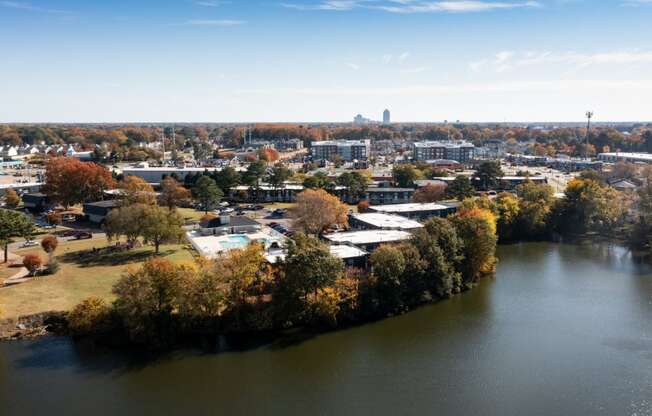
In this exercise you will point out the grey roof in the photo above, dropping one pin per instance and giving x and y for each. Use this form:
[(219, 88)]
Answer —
[(236, 221)]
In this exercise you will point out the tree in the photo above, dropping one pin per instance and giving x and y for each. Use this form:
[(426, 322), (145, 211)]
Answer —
[(255, 172), (508, 209), (268, 154), (11, 198), (363, 206), (135, 190), (405, 175), (439, 250), (160, 225), (32, 262), (309, 266), (279, 174), (173, 194), (49, 245), (535, 207), (355, 183), (317, 210), (388, 266), (460, 188), (89, 317), (227, 178), (588, 206), (54, 218), (429, 193), (477, 230), (127, 221), (207, 193), (489, 173), (147, 297), (70, 181), (13, 224), (318, 181)]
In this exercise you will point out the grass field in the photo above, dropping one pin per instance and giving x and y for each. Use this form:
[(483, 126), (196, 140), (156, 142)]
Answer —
[(82, 274)]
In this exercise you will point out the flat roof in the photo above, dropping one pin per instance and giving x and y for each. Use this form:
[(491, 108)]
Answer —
[(629, 155), (169, 168), (368, 236), (347, 252), (386, 221), (414, 207)]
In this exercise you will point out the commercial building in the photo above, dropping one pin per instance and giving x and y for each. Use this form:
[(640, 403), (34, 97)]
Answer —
[(461, 152), (97, 211), (265, 193), (348, 150), (386, 117), (419, 212), (155, 175), (626, 157), (381, 221)]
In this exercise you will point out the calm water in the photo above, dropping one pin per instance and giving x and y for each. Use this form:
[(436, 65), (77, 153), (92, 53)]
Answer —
[(562, 330)]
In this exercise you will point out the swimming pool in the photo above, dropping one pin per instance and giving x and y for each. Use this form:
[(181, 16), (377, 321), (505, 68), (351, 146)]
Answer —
[(235, 241)]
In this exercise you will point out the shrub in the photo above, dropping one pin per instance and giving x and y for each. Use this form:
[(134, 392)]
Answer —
[(32, 262), (49, 244), (90, 316), (363, 206), (52, 268)]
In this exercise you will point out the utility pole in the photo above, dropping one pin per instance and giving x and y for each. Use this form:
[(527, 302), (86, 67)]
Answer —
[(589, 116)]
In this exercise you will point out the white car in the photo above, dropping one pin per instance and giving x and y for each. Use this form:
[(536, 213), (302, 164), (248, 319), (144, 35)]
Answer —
[(29, 243)]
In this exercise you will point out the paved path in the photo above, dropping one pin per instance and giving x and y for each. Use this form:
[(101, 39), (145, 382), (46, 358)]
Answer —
[(21, 276)]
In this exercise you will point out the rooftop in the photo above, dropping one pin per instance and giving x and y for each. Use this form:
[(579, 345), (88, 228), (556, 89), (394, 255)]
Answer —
[(443, 144), (386, 221), (414, 207), (368, 237), (347, 252), (640, 156), (234, 221)]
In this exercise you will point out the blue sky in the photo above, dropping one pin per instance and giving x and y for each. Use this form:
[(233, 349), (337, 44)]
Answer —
[(319, 60)]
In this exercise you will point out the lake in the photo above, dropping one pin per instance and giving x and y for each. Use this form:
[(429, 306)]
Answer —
[(561, 330)]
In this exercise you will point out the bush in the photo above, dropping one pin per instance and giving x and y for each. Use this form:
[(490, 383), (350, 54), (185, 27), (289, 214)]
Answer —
[(88, 317), (49, 244), (52, 267), (32, 262), (363, 206)]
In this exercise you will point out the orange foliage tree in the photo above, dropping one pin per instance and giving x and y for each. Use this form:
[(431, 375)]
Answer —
[(70, 181), (32, 262), (317, 210)]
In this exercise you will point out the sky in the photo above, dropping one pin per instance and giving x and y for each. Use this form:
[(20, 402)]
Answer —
[(324, 60)]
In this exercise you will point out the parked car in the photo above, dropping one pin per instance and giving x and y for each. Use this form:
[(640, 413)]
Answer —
[(29, 243), (83, 235), (69, 218)]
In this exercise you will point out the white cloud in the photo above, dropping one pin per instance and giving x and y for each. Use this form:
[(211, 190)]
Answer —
[(387, 58), (416, 70), (448, 89), (415, 6), (29, 7), (403, 56), (353, 66), (506, 60)]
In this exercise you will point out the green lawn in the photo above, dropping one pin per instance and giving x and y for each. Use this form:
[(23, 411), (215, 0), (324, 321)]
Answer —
[(82, 274), (190, 215)]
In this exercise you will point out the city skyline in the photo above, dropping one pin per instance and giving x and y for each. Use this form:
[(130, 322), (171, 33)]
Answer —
[(320, 60)]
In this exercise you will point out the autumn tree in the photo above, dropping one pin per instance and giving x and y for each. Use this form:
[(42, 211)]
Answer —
[(70, 181), (317, 210), (49, 244), (405, 175), (135, 190), (429, 193), (32, 262), (13, 224), (12, 200), (147, 297), (89, 316), (534, 211), (268, 155), (173, 194), (477, 230), (363, 206), (207, 193)]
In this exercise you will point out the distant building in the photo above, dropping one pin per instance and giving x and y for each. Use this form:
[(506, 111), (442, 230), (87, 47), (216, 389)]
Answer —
[(386, 117), (368, 240), (359, 119), (348, 150), (626, 157), (416, 211), (380, 221), (461, 152), (155, 175)]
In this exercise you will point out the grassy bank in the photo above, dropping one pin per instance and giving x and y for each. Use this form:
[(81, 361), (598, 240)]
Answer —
[(82, 274)]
